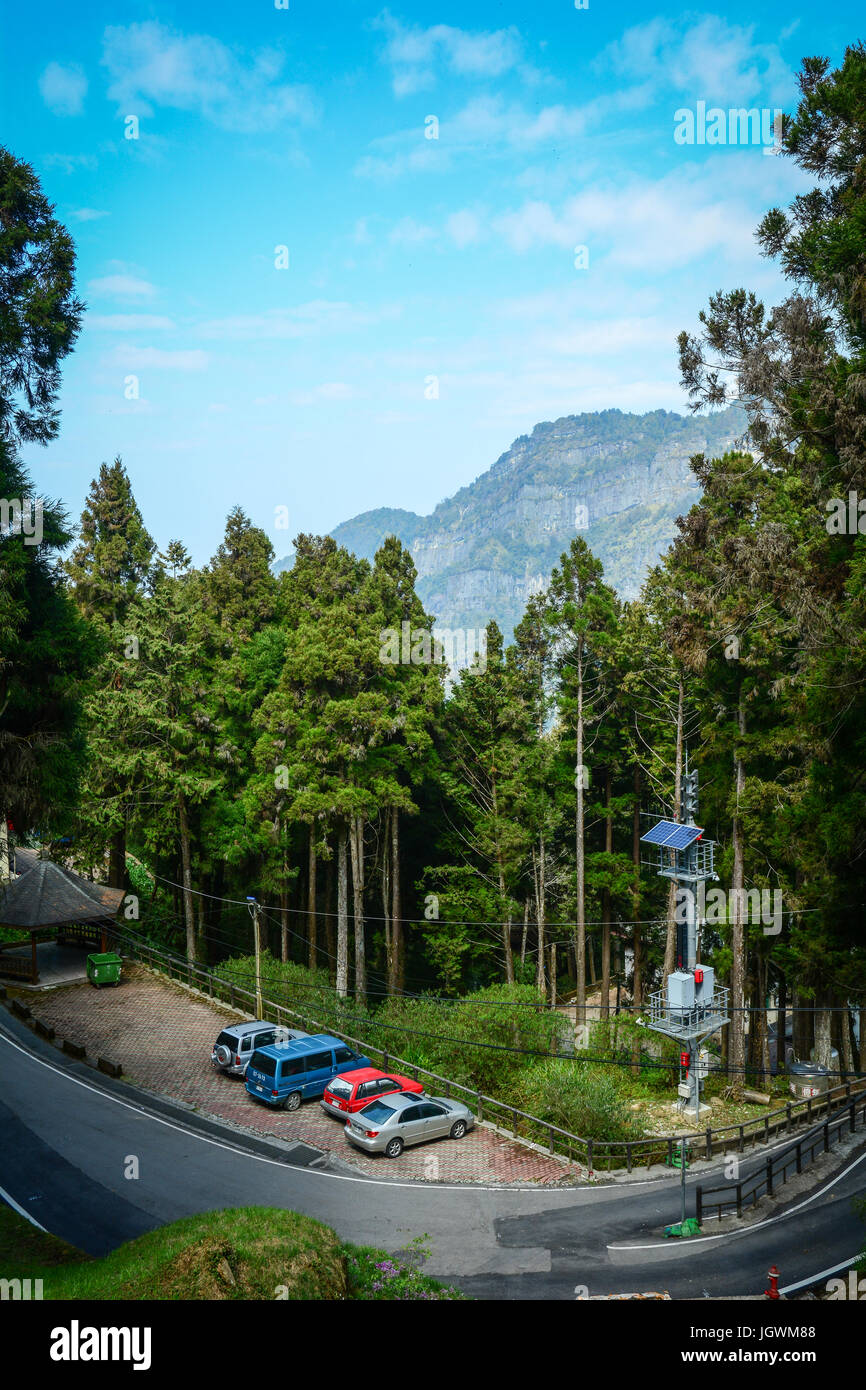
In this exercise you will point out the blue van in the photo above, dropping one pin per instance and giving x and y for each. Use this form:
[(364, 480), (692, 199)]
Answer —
[(284, 1074)]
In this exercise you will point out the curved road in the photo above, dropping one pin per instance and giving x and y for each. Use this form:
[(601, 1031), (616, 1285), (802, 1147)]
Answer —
[(67, 1135)]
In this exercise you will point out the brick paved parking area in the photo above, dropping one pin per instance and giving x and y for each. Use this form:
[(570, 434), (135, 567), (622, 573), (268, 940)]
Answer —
[(162, 1037)]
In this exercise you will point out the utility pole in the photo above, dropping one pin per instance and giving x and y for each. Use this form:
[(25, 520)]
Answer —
[(691, 1007), (255, 913)]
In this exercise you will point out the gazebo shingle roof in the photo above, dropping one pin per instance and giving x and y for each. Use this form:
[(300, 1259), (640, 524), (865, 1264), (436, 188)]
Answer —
[(47, 896)]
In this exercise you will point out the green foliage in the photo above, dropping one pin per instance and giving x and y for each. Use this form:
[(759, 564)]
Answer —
[(374, 1276), (46, 654), (40, 314), (504, 1021), (110, 564), (651, 1055), (587, 1100), (860, 1264), (240, 1254), (260, 730), (284, 982)]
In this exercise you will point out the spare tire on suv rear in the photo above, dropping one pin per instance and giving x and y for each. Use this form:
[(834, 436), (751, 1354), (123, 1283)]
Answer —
[(223, 1055)]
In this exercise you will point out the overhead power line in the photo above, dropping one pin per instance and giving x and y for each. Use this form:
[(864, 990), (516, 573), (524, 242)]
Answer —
[(453, 921)]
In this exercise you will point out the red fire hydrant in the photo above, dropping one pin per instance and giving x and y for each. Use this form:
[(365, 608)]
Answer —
[(773, 1290)]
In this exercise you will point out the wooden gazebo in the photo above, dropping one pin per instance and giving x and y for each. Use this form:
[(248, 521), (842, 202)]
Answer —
[(46, 896)]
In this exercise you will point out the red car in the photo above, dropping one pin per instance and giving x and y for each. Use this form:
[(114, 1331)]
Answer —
[(352, 1090)]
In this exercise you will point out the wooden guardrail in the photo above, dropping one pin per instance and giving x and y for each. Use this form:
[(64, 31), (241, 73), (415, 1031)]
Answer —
[(595, 1155)]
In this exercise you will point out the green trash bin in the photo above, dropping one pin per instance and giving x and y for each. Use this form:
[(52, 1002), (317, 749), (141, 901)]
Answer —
[(103, 968)]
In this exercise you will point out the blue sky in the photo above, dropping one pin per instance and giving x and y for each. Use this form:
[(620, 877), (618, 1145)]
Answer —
[(409, 258)]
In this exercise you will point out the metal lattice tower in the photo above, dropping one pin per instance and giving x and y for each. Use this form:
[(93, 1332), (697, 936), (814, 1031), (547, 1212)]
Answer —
[(691, 1007)]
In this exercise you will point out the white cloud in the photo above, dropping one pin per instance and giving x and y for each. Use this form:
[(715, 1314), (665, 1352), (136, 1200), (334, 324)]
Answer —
[(88, 214), (327, 391), (70, 162), (336, 391), (709, 60), (302, 321), (641, 225), (566, 304), (486, 124), (139, 359), (150, 65), (417, 156), (127, 323), (536, 224), (464, 227), (611, 335), (408, 232), (63, 89), (414, 54), (122, 286)]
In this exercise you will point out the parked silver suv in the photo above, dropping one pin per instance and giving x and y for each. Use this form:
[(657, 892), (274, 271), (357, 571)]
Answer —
[(235, 1045)]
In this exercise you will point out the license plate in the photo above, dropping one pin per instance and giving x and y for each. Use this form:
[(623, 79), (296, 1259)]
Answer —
[(260, 1088)]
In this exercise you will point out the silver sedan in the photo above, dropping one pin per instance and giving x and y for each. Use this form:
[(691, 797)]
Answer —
[(390, 1125)]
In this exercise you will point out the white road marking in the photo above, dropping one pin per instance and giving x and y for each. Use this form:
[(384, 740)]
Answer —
[(746, 1230), (7, 1197), (276, 1162), (792, 1288)]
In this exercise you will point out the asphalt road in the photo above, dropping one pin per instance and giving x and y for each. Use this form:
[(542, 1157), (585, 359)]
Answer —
[(67, 1136)]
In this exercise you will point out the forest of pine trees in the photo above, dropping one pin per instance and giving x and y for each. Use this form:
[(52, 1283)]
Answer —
[(201, 734)]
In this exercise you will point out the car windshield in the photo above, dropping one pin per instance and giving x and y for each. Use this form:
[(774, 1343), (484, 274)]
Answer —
[(377, 1111), (339, 1088), (227, 1038), (262, 1062)]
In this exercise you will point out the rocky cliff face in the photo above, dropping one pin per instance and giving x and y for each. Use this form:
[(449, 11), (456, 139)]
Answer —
[(619, 480)]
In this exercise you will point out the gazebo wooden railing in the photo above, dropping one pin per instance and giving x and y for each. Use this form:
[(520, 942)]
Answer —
[(19, 967)]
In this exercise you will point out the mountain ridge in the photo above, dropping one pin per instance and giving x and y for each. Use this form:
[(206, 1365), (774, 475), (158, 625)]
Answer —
[(617, 478)]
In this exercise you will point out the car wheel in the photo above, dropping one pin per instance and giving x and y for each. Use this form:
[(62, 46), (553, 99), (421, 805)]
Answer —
[(458, 1129), (292, 1101), (223, 1055), (394, 1148)]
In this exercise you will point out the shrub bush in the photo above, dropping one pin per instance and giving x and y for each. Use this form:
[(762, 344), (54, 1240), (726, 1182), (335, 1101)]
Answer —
[(587, 1100)]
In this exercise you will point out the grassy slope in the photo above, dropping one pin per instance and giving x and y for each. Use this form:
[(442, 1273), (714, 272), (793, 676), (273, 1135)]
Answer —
[(241, 1253)]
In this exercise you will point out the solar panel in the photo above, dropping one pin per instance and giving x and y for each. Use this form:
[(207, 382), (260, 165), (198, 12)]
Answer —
[(671, 835)]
